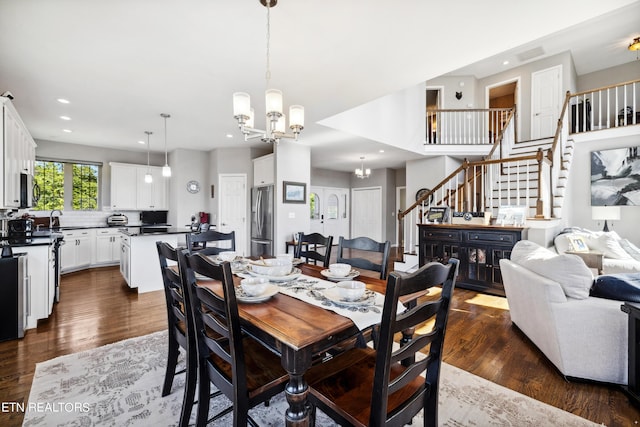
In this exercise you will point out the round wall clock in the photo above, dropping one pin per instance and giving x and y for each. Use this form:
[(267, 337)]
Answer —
[(193, 187), (421, 192)]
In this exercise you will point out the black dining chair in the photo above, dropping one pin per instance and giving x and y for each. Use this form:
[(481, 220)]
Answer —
[(181, 334), (364, 244), (385, 386), (198, 242), (241, 367), (308, 245)]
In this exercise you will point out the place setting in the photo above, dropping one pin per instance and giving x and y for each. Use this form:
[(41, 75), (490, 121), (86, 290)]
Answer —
[(339, 272), (255, 290)]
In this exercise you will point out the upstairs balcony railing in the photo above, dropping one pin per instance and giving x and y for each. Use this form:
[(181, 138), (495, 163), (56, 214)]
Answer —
[(468, 127), (605, 108)]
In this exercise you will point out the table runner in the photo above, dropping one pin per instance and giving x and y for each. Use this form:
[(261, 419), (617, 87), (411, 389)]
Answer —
[(309, 289)]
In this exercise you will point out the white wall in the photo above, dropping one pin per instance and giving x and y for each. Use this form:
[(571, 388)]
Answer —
[(187, 165), (577, 208), (293, 163)]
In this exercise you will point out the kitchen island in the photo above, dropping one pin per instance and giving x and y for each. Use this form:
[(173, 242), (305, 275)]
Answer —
[(139, 256)]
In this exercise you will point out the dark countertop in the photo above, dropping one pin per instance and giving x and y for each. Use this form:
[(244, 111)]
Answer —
[(35, 241), (146, 231)]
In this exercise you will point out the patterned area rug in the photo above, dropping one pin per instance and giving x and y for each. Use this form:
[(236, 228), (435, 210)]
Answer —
[(120, 385)]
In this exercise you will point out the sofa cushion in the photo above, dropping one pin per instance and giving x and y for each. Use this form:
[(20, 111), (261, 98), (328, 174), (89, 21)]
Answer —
[(608, 244), (568, 270), (630, 248), (620, 287)]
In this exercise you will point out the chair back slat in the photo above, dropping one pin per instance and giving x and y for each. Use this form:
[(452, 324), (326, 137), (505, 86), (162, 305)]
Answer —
[(198, 242), (311, 242), (365, 244)]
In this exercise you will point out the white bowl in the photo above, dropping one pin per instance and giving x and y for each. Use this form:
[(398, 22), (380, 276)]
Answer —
[(227, 255), (340, 270), (273, 267), (351, 290), (254, 286), (286, 257)]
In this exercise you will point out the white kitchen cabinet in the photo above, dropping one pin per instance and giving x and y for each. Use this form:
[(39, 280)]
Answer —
[(40, 282), (76, 251), (151, 195), (264, 170), (107, 246), (125, 258), (130, 192), (123, 186), (18, 152)]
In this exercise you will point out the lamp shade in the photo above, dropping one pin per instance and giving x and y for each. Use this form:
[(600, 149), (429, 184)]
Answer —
[(296, 116), (241, 104), (602, 213), (273, 99)]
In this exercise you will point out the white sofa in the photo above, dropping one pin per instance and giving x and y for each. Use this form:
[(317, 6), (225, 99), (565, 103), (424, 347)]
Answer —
[(620, 255), (548, 295)]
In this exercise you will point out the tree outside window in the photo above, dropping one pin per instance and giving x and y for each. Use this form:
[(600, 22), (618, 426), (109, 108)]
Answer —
[(49, 176), (83, 184)]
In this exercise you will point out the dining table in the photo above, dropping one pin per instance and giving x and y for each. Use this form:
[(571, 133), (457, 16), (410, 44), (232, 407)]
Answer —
[(299, 332)]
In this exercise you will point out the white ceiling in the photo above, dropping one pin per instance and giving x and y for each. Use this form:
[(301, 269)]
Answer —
[(123, 62)]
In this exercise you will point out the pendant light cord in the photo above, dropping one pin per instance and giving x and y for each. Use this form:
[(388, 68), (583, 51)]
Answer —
[(267, 74)]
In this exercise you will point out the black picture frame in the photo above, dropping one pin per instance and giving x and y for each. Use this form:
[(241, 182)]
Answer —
[(438, 213), (294, 192)]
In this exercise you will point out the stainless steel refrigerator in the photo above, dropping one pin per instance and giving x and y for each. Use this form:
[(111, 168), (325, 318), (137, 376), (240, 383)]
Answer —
[(262, 221)]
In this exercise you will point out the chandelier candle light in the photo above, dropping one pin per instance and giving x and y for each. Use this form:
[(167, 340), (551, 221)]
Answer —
[(361, 172), (275, 126), (166, 169), (148, 178)]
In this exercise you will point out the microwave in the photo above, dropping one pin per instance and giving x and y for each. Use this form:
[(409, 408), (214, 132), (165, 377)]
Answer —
[(26, 190)]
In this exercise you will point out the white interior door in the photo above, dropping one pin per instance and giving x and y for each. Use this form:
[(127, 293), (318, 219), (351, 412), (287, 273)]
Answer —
[(366, 218), (232, 208), (330, 211), (545, 102)]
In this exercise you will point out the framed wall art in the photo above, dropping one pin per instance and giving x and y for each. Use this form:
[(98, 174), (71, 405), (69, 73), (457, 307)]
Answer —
[(615, 177), (294, 192)]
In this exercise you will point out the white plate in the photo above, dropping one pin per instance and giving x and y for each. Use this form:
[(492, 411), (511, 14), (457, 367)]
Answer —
[(201, 277), (333, 294), (268, 293), (352, 274), (295, 273)]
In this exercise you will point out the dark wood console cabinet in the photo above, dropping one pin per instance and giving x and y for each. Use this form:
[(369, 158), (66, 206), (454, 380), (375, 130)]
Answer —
[(479, 249)]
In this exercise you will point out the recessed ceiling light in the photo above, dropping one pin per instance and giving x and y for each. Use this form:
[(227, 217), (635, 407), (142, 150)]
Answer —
[(505, 62), (229, 135), (63, 101), (65, 117), (141, 142), (381, 151), (67, 130)]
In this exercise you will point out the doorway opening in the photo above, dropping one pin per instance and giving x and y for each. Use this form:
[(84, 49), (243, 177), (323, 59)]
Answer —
[(433, 102), (501, 95)]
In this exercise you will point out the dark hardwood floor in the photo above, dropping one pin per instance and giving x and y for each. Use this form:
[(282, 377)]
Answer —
[(98, 308)]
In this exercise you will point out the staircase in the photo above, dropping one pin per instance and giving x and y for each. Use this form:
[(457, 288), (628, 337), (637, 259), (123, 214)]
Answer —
[(532, 174)]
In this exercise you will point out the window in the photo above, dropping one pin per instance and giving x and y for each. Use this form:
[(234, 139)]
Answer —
[(49, 176), (85, 187), (80, 180), (314, 205), (332, 207)]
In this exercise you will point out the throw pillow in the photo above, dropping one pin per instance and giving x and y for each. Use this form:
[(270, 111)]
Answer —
[(630, 248), (619, 287), (607, 243), (568, 270)]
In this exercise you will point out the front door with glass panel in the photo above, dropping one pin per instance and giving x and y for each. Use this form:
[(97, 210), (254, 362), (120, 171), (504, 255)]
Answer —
[(329, 211)]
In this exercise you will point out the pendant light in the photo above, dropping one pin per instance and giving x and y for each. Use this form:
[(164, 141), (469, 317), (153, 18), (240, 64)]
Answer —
[(148, 178), (166, 169)]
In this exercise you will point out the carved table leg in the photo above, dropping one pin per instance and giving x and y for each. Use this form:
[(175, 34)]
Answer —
[(296, 364)]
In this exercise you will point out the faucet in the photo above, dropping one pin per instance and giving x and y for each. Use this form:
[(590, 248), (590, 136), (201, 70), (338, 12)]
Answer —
[(51, 217)]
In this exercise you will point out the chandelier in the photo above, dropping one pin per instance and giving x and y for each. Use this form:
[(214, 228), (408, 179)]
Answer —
[(361, 172), (275, 119)]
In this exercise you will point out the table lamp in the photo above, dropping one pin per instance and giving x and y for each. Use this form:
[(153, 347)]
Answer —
[(604, 213)]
